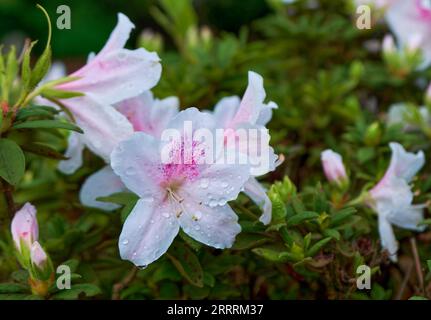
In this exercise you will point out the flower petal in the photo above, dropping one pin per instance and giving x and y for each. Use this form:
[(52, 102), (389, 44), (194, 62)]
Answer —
[(387, 237), (101, 184), (218, 183), (103, 126), (404, 19), (117, 75), (119, 35), (225, 110), (254, 190), (404, 164), (74, 153), (265, 114), (149, 115), (408, 217), (216, 227), (24, 226), (252, 101), (137, 161), (147, 233)]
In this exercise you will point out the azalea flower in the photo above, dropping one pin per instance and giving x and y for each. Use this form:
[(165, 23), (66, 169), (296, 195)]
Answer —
[(177, 189), (24, 228), (411, 23), (113, 75), (333, 167), (392, 197), (251, 112)]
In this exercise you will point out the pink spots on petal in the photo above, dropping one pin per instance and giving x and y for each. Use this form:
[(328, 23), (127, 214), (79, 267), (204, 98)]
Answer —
[(184, 163)]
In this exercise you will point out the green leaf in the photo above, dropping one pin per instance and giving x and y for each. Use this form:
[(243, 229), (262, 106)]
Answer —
[(332, 233), (341, 216), (37, 111), (317, 246), (429, 265), (43, 150), (270, 254), (297, 219), (12, 161), (26, 69), (417, 298), (278, 207), (60, 94), (245, 241), (187, 264), (13, 288), (47, 124), (78, 291)]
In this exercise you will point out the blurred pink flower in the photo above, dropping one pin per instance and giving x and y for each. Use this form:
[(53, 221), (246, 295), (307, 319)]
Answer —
[(333, 167), (411, 23)]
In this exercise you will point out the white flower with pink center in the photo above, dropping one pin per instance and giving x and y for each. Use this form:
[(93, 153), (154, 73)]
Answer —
[(185, 192)]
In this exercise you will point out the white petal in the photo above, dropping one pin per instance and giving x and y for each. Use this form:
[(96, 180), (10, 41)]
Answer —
[(103, 126), (404, 20), (216, 227), (119, 35), (218, 183), (147, 233), (101, 184), (387, 237), (225, 110), (74, 153), (117, 75), (252, 100), (265, 114), (404, 164), (408, 217), (137, 161), (254, 190)]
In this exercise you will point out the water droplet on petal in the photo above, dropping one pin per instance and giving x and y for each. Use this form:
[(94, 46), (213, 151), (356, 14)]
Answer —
[(125, 242), (166, 214), (224, 184), (204, 183)]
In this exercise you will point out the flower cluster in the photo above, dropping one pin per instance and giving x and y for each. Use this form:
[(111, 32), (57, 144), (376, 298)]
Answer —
[(126, 125)]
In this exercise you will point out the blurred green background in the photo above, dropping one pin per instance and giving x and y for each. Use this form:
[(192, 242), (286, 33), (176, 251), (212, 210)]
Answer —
[(92, 21)]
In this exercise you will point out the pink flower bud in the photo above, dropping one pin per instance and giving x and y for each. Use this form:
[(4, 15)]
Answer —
[(24, 227), (38, 256), (333, 167)]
